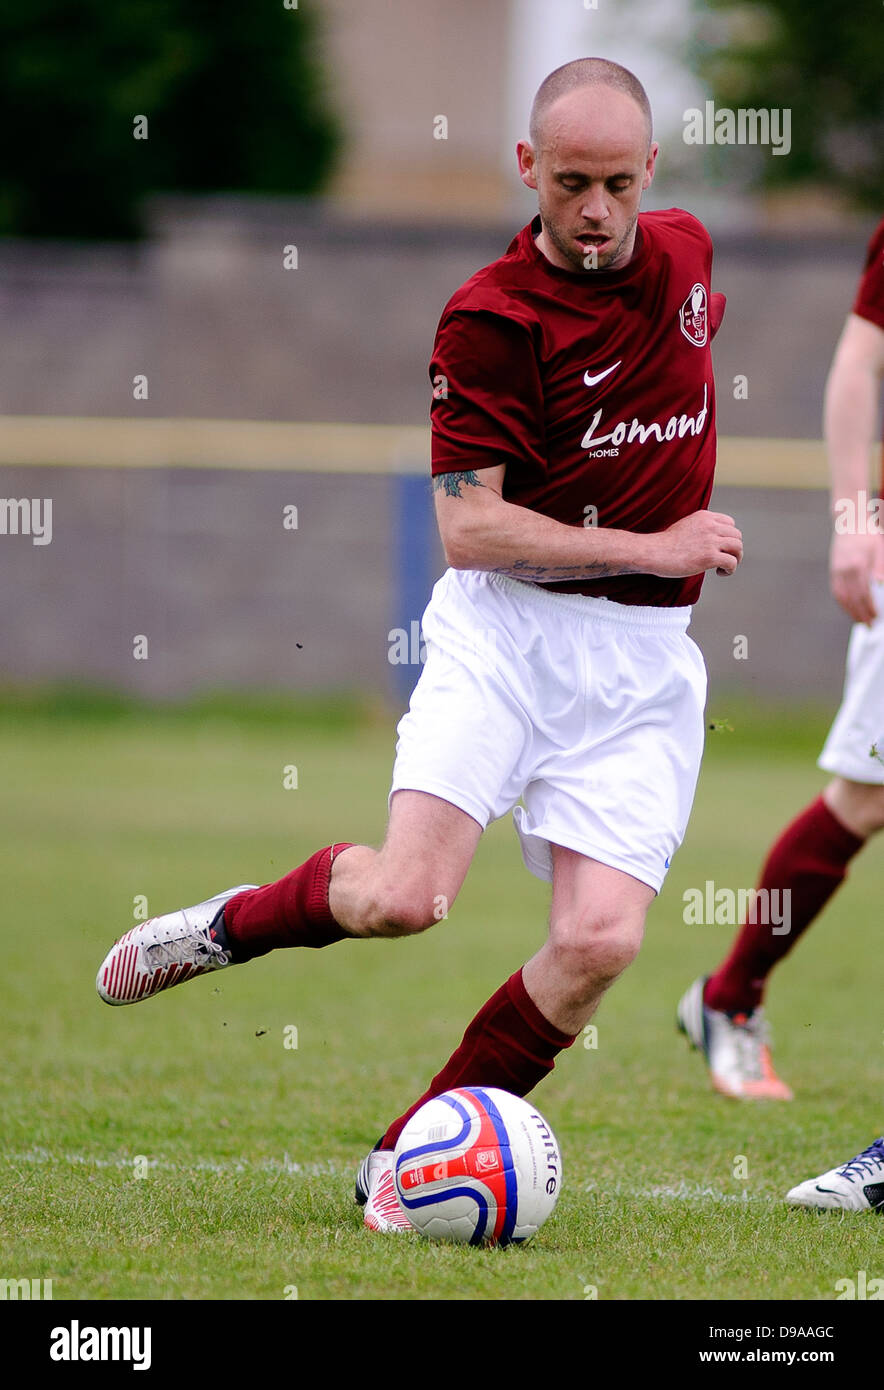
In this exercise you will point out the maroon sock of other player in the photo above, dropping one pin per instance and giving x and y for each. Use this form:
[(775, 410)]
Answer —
[(508, 1044), (292, 912), (808, 861)]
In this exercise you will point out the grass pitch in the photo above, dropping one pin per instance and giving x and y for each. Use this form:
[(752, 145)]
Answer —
[(180, 1149)]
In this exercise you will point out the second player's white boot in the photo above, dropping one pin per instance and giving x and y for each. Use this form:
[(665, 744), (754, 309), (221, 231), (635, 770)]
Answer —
[(735, 1046)]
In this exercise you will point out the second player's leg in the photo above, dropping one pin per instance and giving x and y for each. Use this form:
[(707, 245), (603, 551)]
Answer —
[(805, 866), (596, 926)]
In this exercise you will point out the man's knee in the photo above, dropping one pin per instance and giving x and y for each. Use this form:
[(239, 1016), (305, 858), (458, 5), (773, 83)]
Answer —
[(595, 949), (872, 802), (857, 805), (403, 909)]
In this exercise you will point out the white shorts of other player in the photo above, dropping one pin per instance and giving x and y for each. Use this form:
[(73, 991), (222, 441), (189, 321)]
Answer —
[(859, 723), (590, 712)]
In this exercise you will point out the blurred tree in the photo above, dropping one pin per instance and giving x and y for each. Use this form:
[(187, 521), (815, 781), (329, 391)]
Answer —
[(821, 61), (232, 94)]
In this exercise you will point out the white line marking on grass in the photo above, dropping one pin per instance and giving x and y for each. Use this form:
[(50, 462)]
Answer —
[(38, 1155), (682, 1192)]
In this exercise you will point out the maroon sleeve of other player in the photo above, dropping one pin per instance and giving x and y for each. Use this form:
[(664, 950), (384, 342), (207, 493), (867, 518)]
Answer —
[(869, 303), (487, 394)]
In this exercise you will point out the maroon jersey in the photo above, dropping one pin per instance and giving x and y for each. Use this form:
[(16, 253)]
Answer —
[(869, 303), (594, 388)]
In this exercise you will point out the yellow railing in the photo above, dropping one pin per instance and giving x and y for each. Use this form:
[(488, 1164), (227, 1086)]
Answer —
[(100, 442)]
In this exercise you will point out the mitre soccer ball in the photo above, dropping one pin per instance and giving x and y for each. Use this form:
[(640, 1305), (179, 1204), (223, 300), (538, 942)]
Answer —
[(477, 1166)]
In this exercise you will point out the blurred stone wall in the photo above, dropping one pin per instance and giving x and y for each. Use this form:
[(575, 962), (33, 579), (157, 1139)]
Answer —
[(199, 561), (207, 310)]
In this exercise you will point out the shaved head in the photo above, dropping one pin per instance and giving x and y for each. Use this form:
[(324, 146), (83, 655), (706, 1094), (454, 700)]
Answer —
[(585, 72), (590, 157)]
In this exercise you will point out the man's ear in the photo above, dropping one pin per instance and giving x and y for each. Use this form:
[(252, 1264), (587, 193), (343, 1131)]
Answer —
[(650, 166), (527, 164)]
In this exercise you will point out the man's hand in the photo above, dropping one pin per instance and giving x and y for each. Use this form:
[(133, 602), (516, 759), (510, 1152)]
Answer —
[(853, 561), (699, 542)]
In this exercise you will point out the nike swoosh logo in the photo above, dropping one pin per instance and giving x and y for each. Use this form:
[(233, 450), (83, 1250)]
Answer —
[(590, 380), (830, 1190)]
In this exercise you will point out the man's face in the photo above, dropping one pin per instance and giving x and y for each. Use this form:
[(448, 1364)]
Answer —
[(590, 169)]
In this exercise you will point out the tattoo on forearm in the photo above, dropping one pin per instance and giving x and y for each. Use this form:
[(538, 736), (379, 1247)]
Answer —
[(451, 482), (527, 569)]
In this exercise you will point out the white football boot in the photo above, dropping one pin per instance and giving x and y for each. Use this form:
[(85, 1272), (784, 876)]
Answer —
[(735, 1046), (165, 951), (376, 1192), (855, 1186)]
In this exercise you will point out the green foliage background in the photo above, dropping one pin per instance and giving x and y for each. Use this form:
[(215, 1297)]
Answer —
[(233, 95), (821, 61)]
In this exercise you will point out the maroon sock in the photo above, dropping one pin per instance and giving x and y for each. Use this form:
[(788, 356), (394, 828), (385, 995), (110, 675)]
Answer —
[(508, 1044), (808, 861), (292, 912)]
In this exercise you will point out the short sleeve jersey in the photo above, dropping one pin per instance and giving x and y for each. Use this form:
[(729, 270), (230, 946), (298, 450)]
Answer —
[(869, 302), (594, 388)]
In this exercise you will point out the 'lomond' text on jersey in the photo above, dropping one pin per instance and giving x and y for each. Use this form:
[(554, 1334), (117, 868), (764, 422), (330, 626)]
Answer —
[(594, 388)]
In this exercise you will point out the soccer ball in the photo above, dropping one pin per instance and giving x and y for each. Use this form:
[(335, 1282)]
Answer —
[(478, 1166)]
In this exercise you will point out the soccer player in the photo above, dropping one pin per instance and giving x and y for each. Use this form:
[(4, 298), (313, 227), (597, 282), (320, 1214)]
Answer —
[(573, 456), (723, 1014)]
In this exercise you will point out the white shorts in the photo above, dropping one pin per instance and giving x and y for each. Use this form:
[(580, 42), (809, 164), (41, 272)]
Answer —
[(590, 712), (859, 723)]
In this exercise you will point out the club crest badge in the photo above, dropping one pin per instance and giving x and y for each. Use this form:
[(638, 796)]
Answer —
[(694, 317)]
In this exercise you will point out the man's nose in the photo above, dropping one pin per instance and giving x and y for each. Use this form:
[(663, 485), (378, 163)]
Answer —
[(595, 204)]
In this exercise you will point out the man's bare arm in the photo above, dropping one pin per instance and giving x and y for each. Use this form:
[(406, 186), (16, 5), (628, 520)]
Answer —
[(850, 423), (481, 531)]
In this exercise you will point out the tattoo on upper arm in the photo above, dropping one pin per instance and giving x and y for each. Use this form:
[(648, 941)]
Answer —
[(451, 482)]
